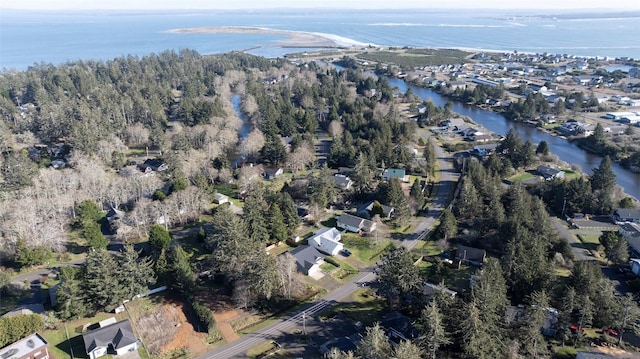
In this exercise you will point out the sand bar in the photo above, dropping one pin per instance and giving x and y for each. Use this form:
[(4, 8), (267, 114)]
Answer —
[(294, 38)]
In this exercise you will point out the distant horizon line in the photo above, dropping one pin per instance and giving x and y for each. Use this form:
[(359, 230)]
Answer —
[(594, 9)]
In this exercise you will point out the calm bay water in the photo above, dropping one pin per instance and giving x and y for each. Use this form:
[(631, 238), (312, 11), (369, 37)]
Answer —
[(565, 150), (28, 37)]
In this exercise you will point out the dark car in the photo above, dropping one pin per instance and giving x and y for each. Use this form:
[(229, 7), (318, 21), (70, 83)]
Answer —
[(345, 252)]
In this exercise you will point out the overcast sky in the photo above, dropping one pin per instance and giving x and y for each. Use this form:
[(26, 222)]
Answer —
[(358, 4)]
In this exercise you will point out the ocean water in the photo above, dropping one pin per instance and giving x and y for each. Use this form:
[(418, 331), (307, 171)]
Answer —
[(29, 37)]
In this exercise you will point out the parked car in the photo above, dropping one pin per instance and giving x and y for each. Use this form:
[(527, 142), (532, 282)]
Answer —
[(612, 332), (574, 328), (345, 252)]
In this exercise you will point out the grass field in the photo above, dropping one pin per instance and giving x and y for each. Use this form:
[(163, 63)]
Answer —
[(521, 177), (365, 307), (364, 248), (413, 58), (62, 348)]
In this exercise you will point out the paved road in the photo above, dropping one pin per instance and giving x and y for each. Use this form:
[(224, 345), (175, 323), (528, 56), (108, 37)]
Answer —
[(579, 252), (238, 349)]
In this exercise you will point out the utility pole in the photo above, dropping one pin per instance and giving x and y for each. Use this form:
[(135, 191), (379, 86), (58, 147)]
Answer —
[(304, 323)]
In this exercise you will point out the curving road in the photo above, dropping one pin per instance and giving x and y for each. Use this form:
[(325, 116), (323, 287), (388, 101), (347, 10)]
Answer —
[(238, 348)]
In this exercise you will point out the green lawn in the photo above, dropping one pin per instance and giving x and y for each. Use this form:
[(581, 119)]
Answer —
[(364, 248), (365, 307), (61, 348), (521, 177)]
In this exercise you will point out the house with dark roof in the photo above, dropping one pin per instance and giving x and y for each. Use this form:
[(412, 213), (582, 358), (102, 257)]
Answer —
[(365, 210), (470, 255), (155, 164), (355, 224), (398, 327), (626, 215), (342, 182), (116, 338), (549, 173), (431, 289), (308, 259), (32, 347)]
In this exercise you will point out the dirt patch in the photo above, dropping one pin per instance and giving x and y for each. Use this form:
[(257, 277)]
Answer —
[(185, 336), (220, 303), (164, 327)]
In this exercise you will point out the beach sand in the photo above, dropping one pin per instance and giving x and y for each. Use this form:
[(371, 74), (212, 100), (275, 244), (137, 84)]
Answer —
[(294, 38)]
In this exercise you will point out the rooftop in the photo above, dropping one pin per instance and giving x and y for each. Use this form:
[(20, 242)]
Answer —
[(23, 347)]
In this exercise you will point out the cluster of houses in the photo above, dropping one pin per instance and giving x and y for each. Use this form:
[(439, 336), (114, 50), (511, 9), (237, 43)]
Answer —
[(468, 131)]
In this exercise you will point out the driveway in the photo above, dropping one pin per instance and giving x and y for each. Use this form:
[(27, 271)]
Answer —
[(579, 252)]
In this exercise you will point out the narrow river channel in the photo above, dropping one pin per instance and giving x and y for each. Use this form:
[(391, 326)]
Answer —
[(497, 123)]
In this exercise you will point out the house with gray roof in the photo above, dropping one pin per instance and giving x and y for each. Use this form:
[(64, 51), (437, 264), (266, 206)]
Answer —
[(365, 210), (549, 173), (355, 224), (626, 215), (116, 338), (308, 259)]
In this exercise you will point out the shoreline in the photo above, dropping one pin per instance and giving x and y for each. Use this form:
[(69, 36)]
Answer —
[(295, 39)]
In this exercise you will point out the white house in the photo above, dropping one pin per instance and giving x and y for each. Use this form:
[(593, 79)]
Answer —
[(635, 266), (220, 198), (327, 240), (32, 347), (117, 336), (355, 224)]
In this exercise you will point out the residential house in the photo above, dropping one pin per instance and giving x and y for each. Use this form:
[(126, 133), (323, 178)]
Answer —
[(398, 327), (273, 172), (365, 210), (626, 215), (431, 289), (32, 347), (398, 173), (327, 240), (483, 150), (631, 232), (220, 198), (635, 266), (344, 344), (117, 338), (343, 182), (155, 165), (480, 138), (355, 224), (25, 309), (470, 255), (308, 259), (455, 124), (549, 173)]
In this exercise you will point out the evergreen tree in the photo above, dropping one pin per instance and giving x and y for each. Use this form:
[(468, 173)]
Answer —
[(134, 274), (101, 280), (543, 148), (72, 299), (397, 276), (434, 334), (603, 177), (277, 227), (417, 194), (184, 279), (289, 212), (159, 237), (256, 216), (375, 344), (615, 247), (483, 321), (448, 227)]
